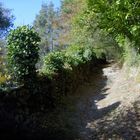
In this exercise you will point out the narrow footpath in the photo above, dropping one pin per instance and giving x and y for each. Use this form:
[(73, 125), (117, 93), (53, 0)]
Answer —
[(106, 107)]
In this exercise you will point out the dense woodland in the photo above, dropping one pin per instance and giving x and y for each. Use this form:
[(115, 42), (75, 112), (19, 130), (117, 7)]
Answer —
[(41, 65)]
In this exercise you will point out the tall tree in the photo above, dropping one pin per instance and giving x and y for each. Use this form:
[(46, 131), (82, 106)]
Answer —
[(69, 9), (45, 24), (80, 28)]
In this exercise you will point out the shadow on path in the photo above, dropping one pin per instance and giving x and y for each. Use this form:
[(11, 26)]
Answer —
[(89, 94), (71, 121)]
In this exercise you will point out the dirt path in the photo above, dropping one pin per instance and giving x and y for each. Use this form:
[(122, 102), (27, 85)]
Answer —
[(107, 107), (108, 92)]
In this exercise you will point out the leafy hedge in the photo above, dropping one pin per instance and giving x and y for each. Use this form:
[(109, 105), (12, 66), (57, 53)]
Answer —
[(68, 69), (74, 56)]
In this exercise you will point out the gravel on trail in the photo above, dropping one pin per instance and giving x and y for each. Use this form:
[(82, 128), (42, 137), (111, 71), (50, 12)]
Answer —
[(108, 106)]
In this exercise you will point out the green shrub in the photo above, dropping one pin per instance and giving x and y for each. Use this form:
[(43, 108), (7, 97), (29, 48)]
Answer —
[(75, 55), (72, 57), (78, 55), (53, 63), (22, 44)]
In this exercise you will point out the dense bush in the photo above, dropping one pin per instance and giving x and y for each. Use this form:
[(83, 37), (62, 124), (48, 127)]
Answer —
[(72, 57), (2, 77), (78, 55), (22, 44), (53, 63)]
